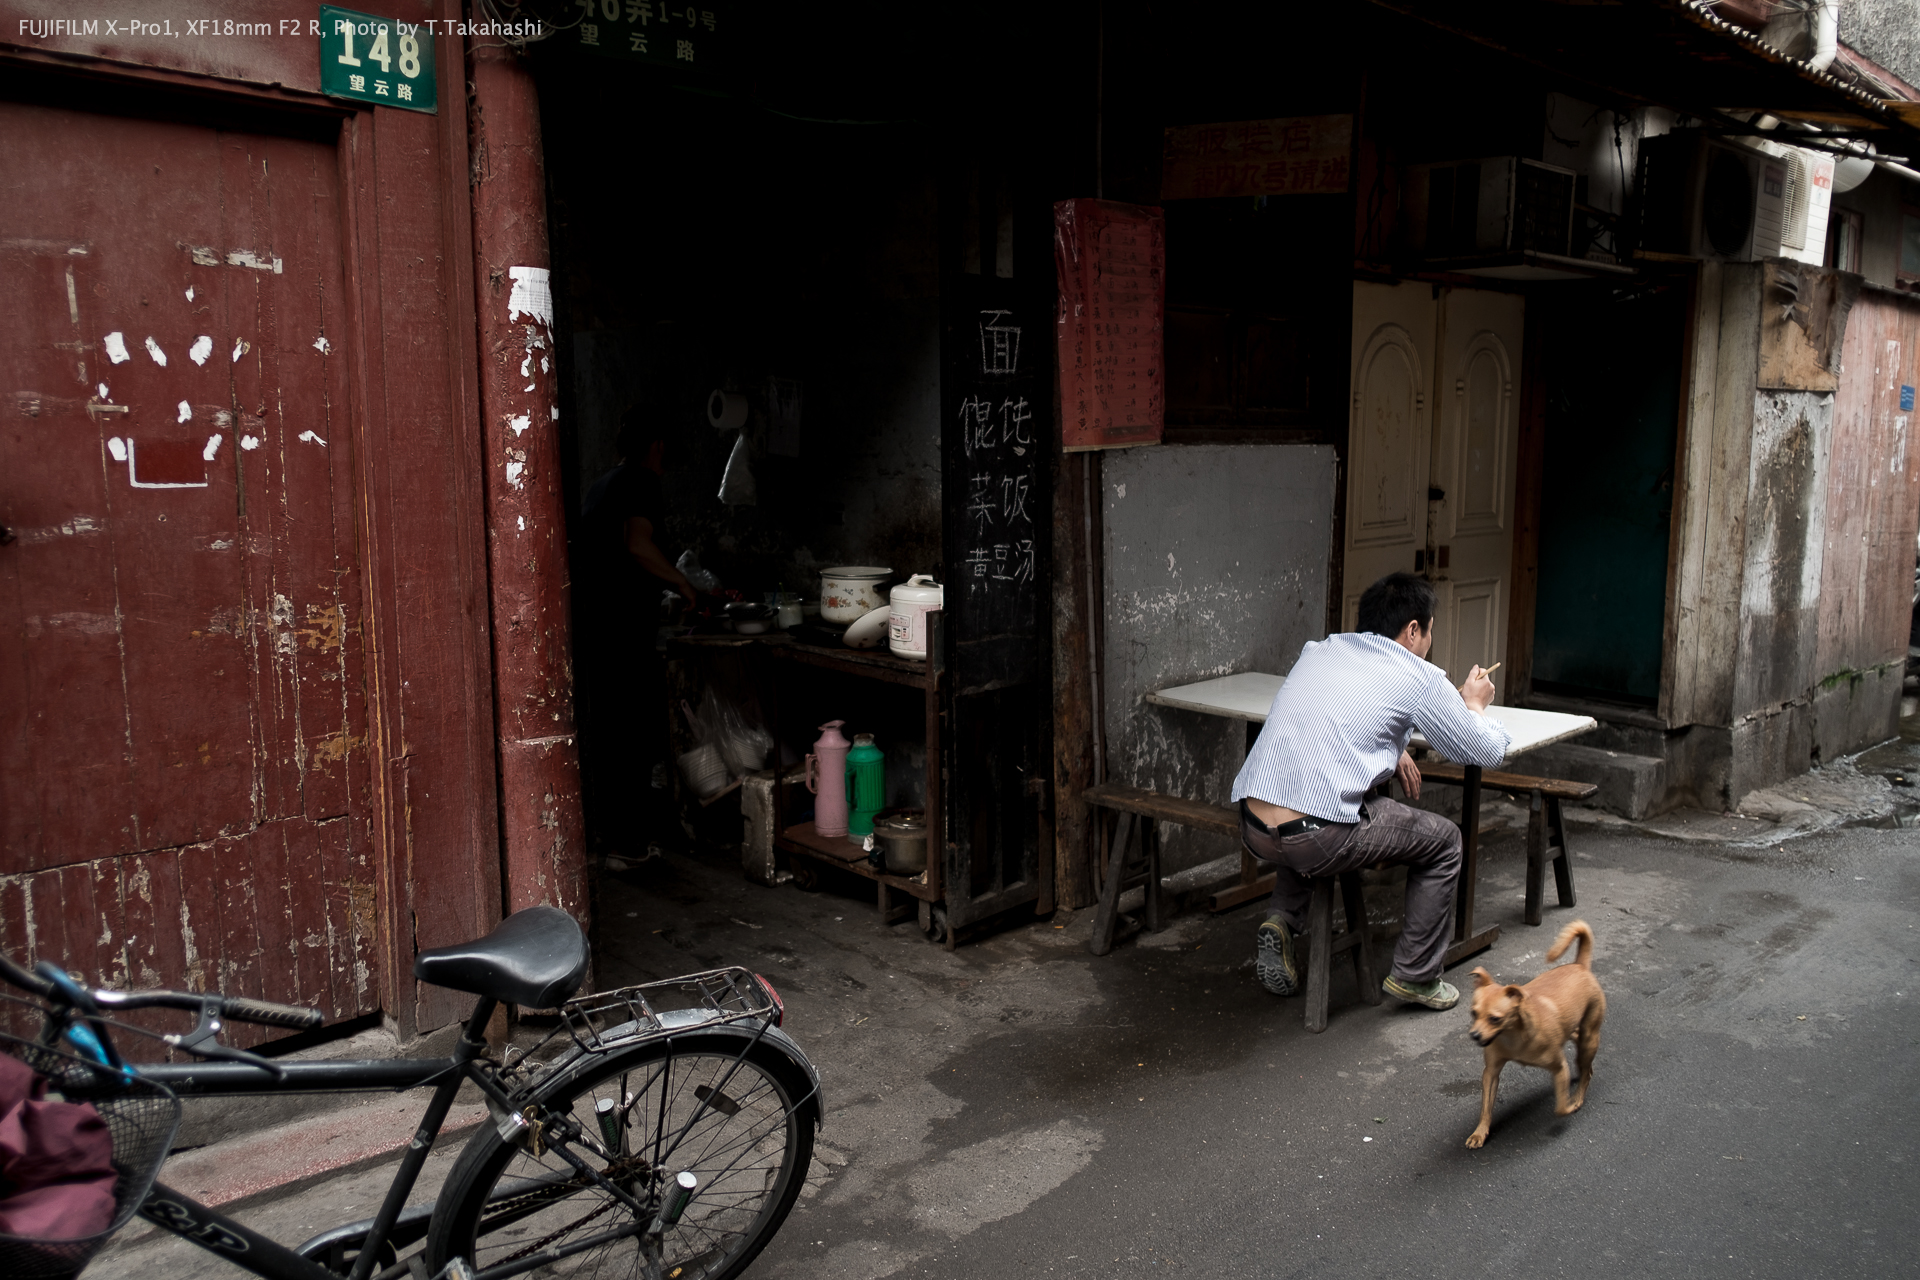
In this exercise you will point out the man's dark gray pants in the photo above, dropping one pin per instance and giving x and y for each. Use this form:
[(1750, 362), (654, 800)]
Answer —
[(1389, 834)]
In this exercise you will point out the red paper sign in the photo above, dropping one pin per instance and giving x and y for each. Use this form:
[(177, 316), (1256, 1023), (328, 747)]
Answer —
[(1111, 261), (1299, 155)]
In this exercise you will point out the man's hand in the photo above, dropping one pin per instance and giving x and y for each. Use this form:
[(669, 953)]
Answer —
[(1477, 691), (1409, 776)]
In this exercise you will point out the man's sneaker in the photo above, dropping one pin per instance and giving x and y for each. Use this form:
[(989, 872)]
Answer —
[(1273, 958), (1434, 995)]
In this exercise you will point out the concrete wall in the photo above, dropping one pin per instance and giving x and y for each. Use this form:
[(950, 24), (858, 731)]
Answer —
[(1885, 31), (1216, 561)]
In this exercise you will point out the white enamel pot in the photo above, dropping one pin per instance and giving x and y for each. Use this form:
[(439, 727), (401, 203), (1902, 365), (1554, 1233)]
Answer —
[(850, 592)]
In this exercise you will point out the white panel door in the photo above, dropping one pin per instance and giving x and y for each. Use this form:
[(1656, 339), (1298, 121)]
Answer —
[(1389, 439), (1475, 443)]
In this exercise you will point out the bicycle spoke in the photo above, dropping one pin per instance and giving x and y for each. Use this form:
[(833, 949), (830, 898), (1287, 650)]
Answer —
[(719, 1115)]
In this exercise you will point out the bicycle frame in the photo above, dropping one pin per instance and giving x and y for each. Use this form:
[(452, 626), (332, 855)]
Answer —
[(732, 998), (181, 1214)]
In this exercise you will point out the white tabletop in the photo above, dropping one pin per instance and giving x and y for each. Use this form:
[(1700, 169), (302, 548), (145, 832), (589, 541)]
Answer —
[(1247, 695)]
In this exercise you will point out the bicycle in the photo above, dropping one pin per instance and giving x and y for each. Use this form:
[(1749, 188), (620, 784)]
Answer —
[(661, 1130)]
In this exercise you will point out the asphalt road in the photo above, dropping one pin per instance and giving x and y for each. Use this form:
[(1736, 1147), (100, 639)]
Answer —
[(1753, 1111), (1020, 1107)]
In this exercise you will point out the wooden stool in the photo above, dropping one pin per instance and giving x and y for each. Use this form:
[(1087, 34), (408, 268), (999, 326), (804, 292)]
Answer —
[(1323, 945)]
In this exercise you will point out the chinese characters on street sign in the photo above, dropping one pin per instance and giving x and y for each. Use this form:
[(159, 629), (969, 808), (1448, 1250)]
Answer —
[(1298, 155), (1111, 261), (378, 60), (687, 36)]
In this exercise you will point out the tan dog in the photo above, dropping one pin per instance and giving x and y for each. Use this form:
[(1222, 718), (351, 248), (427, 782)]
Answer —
[(1532, 1024)]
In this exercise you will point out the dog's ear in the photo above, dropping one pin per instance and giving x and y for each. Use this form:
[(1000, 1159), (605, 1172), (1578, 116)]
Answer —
[(1516, 994), (1481, 978)]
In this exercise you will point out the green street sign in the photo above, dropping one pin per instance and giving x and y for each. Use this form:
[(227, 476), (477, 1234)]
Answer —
[(377, 60), (667, 33)]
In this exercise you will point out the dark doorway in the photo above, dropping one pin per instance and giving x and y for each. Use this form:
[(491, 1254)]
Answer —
[(1613, 367)]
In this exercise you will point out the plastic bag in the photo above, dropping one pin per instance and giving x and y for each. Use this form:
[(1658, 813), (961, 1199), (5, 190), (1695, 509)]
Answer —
[(702, 579), (736, 482), (742, 742)]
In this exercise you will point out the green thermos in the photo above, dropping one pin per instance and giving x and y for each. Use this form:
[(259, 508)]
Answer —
[(866, 785)]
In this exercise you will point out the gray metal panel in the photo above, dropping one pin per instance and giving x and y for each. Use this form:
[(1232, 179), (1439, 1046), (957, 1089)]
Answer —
[(1216, 561)]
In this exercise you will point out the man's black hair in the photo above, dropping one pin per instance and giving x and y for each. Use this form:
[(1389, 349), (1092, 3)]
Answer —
[(639, 428), (1390, 604)]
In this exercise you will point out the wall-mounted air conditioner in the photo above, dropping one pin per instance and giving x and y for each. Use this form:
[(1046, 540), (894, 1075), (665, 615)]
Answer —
[(1710, 198), (1481, 208), (1809, 195)]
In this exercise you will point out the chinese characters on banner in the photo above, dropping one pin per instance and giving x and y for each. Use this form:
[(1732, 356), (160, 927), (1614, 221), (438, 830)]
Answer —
[(687, 36), (1298, 155), (1111, 261)]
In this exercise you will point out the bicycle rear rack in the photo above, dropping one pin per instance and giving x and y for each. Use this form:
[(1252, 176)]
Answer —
[(606, 1020)]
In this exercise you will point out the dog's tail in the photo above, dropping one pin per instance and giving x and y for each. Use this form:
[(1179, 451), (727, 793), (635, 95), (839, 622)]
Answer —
[(1578, 929)]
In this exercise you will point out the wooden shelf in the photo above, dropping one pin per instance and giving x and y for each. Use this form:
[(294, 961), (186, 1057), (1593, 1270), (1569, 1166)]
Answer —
[(808, 839), (875, 664), (844, 853)]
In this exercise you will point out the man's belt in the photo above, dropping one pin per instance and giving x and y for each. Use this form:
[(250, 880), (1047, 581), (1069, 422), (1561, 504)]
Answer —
[(1299, 826)]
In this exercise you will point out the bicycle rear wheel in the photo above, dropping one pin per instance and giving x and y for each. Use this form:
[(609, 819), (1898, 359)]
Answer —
[(740, 1120)]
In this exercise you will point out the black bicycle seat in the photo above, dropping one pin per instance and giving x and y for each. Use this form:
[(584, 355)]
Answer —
[(535, 959)]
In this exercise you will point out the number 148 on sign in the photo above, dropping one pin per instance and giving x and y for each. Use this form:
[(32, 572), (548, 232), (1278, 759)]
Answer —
[(378, 60)]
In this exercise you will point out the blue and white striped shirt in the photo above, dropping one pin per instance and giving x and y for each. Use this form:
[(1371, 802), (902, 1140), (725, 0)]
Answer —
[(1338, 726)]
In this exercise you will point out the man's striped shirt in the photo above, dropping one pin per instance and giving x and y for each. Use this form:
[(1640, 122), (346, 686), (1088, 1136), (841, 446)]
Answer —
[(1338, 726)]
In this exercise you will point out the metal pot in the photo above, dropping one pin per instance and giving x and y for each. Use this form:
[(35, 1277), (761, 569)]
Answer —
[(850, 592), (902, 836), (750, 618)]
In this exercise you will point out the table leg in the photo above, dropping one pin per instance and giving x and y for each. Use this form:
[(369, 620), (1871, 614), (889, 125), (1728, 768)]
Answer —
[(1465, 941)]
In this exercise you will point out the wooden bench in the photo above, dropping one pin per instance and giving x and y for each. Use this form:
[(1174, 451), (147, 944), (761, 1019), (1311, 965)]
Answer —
[(1140, 811), (1545, 830)]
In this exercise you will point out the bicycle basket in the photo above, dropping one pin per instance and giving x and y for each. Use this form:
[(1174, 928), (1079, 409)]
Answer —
[(141, 1116)]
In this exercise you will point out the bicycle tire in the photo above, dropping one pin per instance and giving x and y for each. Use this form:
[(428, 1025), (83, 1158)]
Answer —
[(751, 1152)]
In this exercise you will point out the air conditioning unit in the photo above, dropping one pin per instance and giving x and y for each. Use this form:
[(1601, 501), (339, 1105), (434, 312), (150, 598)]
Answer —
[(1809, 193), (1710, 198), (1481, 208)]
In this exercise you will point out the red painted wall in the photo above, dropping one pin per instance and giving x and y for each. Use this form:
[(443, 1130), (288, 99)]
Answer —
[(246, 725)]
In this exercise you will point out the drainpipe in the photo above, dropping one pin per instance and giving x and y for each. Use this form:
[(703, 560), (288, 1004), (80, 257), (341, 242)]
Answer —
[(1826, 34), (538, 760)]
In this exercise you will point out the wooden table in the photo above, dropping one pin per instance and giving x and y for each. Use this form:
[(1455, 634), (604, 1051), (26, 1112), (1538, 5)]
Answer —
[(1248, 695)]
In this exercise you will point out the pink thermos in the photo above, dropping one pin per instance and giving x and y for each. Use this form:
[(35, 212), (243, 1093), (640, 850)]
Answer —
[(827, 779)]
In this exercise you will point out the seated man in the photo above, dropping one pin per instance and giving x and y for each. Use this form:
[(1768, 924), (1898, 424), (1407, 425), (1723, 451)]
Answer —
[(1337, 729)]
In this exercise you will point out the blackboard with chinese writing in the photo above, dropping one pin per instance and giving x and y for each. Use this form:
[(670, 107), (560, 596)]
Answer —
[(996, 394)]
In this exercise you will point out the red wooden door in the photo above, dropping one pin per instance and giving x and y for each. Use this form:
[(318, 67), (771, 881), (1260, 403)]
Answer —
[(182, 717)]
